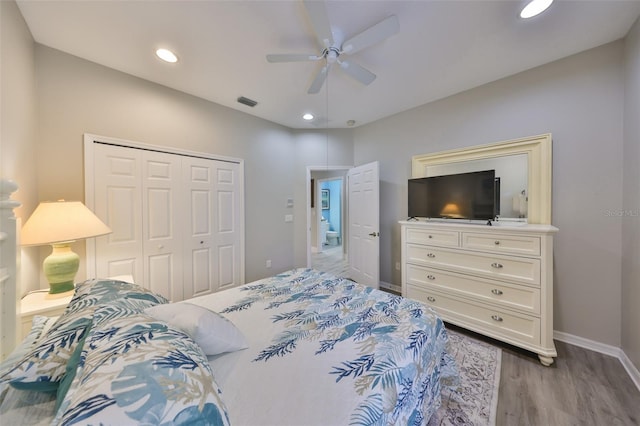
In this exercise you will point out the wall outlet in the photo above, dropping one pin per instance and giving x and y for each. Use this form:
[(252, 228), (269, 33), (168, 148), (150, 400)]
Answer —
[(268, 263), (397, 266)]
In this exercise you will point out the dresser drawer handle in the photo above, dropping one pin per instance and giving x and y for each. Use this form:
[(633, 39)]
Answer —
[(431, 255), (496, 318), (431, 277), (431, 299), (496, 292), (430, 236), (496, 242), (496, 265)]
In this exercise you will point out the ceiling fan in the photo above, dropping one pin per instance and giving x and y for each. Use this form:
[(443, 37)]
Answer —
[(333, 46)]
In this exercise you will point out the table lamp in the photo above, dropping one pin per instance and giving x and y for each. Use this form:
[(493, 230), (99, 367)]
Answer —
[(60, 223)]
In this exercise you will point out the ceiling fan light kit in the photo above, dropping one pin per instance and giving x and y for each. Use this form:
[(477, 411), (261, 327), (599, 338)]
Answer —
[(333, 47)]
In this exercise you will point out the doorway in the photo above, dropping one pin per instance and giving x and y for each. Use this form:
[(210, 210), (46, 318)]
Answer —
[(326, 220), (359, 257)]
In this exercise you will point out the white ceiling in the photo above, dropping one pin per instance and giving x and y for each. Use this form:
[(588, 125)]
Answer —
[(443, 47)]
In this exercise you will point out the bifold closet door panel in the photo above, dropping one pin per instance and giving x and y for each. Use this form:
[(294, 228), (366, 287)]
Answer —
[(118, 202), (227, 225), (162, 207), (211, 243)]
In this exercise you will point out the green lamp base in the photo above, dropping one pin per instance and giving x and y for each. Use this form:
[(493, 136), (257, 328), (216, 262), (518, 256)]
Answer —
[(60, 268)]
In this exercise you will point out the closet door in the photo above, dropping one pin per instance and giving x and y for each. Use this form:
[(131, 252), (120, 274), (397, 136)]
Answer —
[(118, 202), (177, 219), (162, 207), (212, 237), (228, 224)]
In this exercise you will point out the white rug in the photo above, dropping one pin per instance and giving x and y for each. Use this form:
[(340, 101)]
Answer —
[(473, 400)]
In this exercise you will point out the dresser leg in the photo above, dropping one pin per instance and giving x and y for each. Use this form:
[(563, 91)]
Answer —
[(545, 360)]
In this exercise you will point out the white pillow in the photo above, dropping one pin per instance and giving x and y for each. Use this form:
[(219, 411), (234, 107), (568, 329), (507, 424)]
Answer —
[(211, 331)]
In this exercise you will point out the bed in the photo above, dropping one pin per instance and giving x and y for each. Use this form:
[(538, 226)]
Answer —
[(300, 348)]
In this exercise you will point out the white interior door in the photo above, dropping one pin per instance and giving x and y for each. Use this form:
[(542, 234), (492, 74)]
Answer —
[(212, 233), (364, 224), (161, 234), (118, 202)]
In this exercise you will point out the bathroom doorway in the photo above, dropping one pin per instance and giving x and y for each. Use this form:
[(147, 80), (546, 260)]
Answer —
[(329, 213), (327, 221)]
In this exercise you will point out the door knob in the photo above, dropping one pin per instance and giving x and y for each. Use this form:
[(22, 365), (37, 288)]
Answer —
[(374, 234)]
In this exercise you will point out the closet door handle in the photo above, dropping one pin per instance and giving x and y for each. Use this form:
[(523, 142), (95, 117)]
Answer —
[(496, 292), (497, 318), (496, 265)]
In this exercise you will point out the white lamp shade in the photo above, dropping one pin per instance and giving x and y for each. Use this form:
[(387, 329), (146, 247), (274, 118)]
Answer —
[(59, 221)]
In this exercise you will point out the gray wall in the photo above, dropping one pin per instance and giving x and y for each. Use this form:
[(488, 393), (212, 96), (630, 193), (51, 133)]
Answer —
[(631, 202), (76, 96), (18, 118), (580, 101)]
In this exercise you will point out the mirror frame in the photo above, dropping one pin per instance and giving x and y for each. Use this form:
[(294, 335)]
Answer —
[(539, 167)]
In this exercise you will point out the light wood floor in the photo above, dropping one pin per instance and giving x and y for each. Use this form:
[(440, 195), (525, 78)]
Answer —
[(331, 260), (581, 388)]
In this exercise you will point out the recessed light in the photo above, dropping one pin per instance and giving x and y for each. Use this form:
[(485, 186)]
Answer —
[(166, 55), (535, 7), (308, 116)]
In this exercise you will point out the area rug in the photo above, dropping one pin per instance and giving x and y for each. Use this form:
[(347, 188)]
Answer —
[(473, 398)]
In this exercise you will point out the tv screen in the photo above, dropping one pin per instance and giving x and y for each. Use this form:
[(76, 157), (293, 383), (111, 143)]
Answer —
[(459, 196)]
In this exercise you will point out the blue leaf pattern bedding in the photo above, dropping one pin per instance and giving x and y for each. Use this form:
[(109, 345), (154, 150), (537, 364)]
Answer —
[(343, 353)]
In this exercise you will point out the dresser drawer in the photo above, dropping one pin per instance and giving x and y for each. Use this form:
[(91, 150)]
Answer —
[(517, 269), (493, 322), (515, 244), (511, 296), (442, 238)]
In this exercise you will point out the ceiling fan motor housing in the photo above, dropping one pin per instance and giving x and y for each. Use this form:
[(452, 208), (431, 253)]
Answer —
[(331, 54)]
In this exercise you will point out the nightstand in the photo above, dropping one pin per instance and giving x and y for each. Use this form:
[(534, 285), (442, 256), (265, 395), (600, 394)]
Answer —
[(42, 303)]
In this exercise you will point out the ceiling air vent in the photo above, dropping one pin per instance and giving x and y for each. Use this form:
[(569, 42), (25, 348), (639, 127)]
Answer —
[(247, 101)]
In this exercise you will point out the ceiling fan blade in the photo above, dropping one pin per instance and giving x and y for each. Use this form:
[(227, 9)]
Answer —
[(372, 35), (317, 11), (292, 57), (361, 74), (318, 81)]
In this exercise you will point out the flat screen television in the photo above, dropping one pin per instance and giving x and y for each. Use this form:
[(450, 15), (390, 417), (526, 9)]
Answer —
[(471, 196)]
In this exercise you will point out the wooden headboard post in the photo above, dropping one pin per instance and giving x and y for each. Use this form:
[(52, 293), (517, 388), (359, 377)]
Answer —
[(9, 302)]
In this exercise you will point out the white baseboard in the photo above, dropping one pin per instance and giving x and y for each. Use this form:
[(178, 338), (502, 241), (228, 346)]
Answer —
[(603, 348), (392, 287)]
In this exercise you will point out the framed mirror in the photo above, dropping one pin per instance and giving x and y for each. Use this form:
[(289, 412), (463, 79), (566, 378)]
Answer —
[(535, 178)]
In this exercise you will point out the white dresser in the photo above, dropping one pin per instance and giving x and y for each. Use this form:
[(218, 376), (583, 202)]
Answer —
[(495, 280)]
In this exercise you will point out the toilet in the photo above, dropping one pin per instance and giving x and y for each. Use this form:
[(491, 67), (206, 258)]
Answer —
[(333, 238)]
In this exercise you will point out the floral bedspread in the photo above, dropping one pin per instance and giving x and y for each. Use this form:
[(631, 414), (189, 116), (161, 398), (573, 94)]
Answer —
[(327, 351)]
